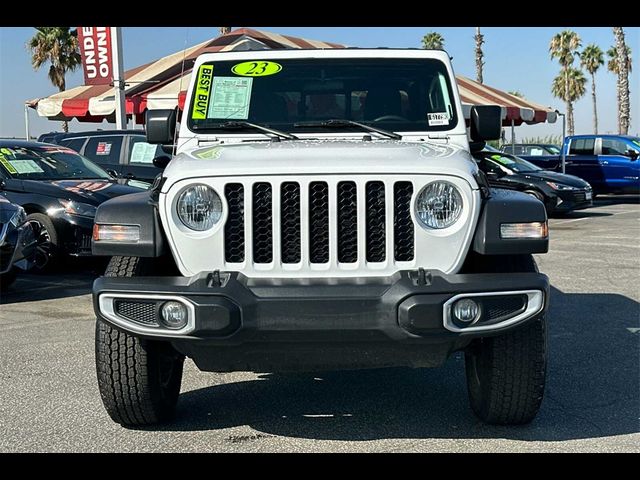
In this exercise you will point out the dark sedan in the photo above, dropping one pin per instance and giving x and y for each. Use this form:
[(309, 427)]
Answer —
[(559, 192), (17, 242), (60, 192)]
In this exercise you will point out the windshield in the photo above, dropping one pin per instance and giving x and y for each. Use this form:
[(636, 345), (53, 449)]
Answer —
[(515, 164), (48, 163), (392, 94), (552, 149)]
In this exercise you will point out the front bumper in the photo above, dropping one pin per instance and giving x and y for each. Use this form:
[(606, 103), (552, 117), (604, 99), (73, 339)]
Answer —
[(17, 247), (74, 233), (244, 323), (569, 200)]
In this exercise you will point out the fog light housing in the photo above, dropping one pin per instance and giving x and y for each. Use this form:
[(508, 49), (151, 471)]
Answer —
[(466, 310), (174, 315)]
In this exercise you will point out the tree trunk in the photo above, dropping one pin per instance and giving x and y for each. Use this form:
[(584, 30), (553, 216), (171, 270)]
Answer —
[(570, 129), (595, 108), (62, 88), (624, 113), (479, 55)]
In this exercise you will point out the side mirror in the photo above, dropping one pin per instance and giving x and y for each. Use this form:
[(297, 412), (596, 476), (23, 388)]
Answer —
[(161, 125), (113, 173), (632, 154), (161, 161), (485, 123), (496, 174)]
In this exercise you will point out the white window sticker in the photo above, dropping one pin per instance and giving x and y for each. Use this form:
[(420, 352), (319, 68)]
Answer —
[(103, 148), (230, 98), (440, 118), (143, 152), (26, 166)]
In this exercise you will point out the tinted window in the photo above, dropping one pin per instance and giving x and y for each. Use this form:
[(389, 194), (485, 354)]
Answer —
[(582, 146), (613, 146), (511, 162), (73, 143), (535, 151), (141, 152), (48, 163), (396, 94), (104, 150)]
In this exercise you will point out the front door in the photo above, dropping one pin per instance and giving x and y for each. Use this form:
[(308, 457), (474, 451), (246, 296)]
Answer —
[(621, 171), (583, 162)]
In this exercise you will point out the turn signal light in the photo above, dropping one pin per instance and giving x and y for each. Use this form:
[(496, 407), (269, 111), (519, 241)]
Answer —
[(531, 230), (116, 233)]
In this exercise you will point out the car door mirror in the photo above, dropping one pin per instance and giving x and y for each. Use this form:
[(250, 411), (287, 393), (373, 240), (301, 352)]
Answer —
[(113, 173), (161, 125), (161, 161), (632, 154), (485, 123)]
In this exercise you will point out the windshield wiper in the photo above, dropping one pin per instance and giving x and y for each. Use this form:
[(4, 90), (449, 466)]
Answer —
[(233, 125), (342, 123)]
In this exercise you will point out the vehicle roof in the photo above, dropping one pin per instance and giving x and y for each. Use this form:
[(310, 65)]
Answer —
[(614, 135), (10, 142), (95, 133)]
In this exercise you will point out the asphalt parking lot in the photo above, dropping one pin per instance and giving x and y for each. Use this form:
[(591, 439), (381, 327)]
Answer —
[(49, 399)]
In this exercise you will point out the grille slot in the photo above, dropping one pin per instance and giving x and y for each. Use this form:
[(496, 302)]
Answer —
[(403, 225), (319, 222), (580, 196), (290, 222), (347, 222), (262, 223), (501, 307), (234, 228), (141, 312), (376, 242)]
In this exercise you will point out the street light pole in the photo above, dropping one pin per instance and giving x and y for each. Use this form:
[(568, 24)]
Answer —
[(118, 78), (26, 121), (562, 152)]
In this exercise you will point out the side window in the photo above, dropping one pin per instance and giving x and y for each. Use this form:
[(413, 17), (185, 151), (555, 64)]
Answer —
[(582, 146), (517, 150), (73, 143), (536, 151), (141, 152), (613, 146), (104, 150)]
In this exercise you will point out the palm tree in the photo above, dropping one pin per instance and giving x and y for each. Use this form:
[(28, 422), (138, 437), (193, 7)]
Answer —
[(224, 30), (569, 86), (516, 93), (57, 46), (433, 41), (612, 66), (624, 114), (564, 46), (479, 54), (591, 59)]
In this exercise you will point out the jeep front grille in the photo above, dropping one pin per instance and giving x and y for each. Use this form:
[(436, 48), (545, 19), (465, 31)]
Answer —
[(346, 222)]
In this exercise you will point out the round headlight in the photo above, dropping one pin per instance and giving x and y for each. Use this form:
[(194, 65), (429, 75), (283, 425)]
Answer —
[(199, 207), (439, 205)]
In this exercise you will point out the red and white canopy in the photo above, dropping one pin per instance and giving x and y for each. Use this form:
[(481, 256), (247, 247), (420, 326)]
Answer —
[(161, 84)]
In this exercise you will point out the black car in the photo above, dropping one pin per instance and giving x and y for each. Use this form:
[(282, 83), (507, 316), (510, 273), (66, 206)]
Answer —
[(17, 242), (559, 192), (60, 191), (124, 153), (532, 149)]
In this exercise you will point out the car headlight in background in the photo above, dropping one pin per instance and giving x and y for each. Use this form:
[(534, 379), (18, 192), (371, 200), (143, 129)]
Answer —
[(199, 207), (18, 218), (560, 186), (78, 208), (439, 205)]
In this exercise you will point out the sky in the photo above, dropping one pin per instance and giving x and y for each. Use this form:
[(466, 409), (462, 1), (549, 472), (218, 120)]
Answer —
[(515, 59)]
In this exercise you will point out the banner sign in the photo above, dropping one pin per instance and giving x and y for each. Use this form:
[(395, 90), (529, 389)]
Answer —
[(95, 49)]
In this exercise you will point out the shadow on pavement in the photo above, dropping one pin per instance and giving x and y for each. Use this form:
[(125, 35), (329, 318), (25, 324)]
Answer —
[(72, 279), (592, 390)]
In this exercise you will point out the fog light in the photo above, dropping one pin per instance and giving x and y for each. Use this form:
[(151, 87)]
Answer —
[(174, 315), (524, 230), (466, 310)]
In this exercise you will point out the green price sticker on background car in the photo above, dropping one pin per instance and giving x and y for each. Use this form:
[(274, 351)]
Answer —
[(256, 69)]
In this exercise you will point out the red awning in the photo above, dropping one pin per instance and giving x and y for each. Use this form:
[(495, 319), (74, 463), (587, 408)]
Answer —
[(160, 84)]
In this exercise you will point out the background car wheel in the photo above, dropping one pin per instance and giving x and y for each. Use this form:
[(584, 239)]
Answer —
[(47, 242), (7, 279), (139, 380), (506, 373)]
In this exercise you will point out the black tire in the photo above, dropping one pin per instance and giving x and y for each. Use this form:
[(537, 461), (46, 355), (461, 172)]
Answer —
[(7, 278), (506, 373), (47, 250), (139, 380)]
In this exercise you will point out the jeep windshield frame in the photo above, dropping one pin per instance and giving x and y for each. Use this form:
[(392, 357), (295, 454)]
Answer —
[(394, 94)]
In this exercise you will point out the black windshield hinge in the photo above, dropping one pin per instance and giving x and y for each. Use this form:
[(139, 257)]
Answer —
[(214, 280), (421, 277)]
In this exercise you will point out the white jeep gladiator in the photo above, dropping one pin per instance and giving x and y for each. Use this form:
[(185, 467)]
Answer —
[(322, 211)]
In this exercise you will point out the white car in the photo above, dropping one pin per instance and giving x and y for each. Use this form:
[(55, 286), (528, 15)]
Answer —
[(323, 211)]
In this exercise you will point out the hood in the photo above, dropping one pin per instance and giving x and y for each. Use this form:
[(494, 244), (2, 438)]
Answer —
[(341, 157), (549, 176), (93, 192)]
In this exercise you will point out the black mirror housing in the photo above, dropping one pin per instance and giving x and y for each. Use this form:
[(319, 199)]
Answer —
[(485, 123), (161, 125), (632, 154), (161, 161)]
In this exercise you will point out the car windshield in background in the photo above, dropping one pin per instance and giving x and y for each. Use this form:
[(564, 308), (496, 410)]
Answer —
[(396, 95), (48, 163), (515, 164), (553, 149)]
